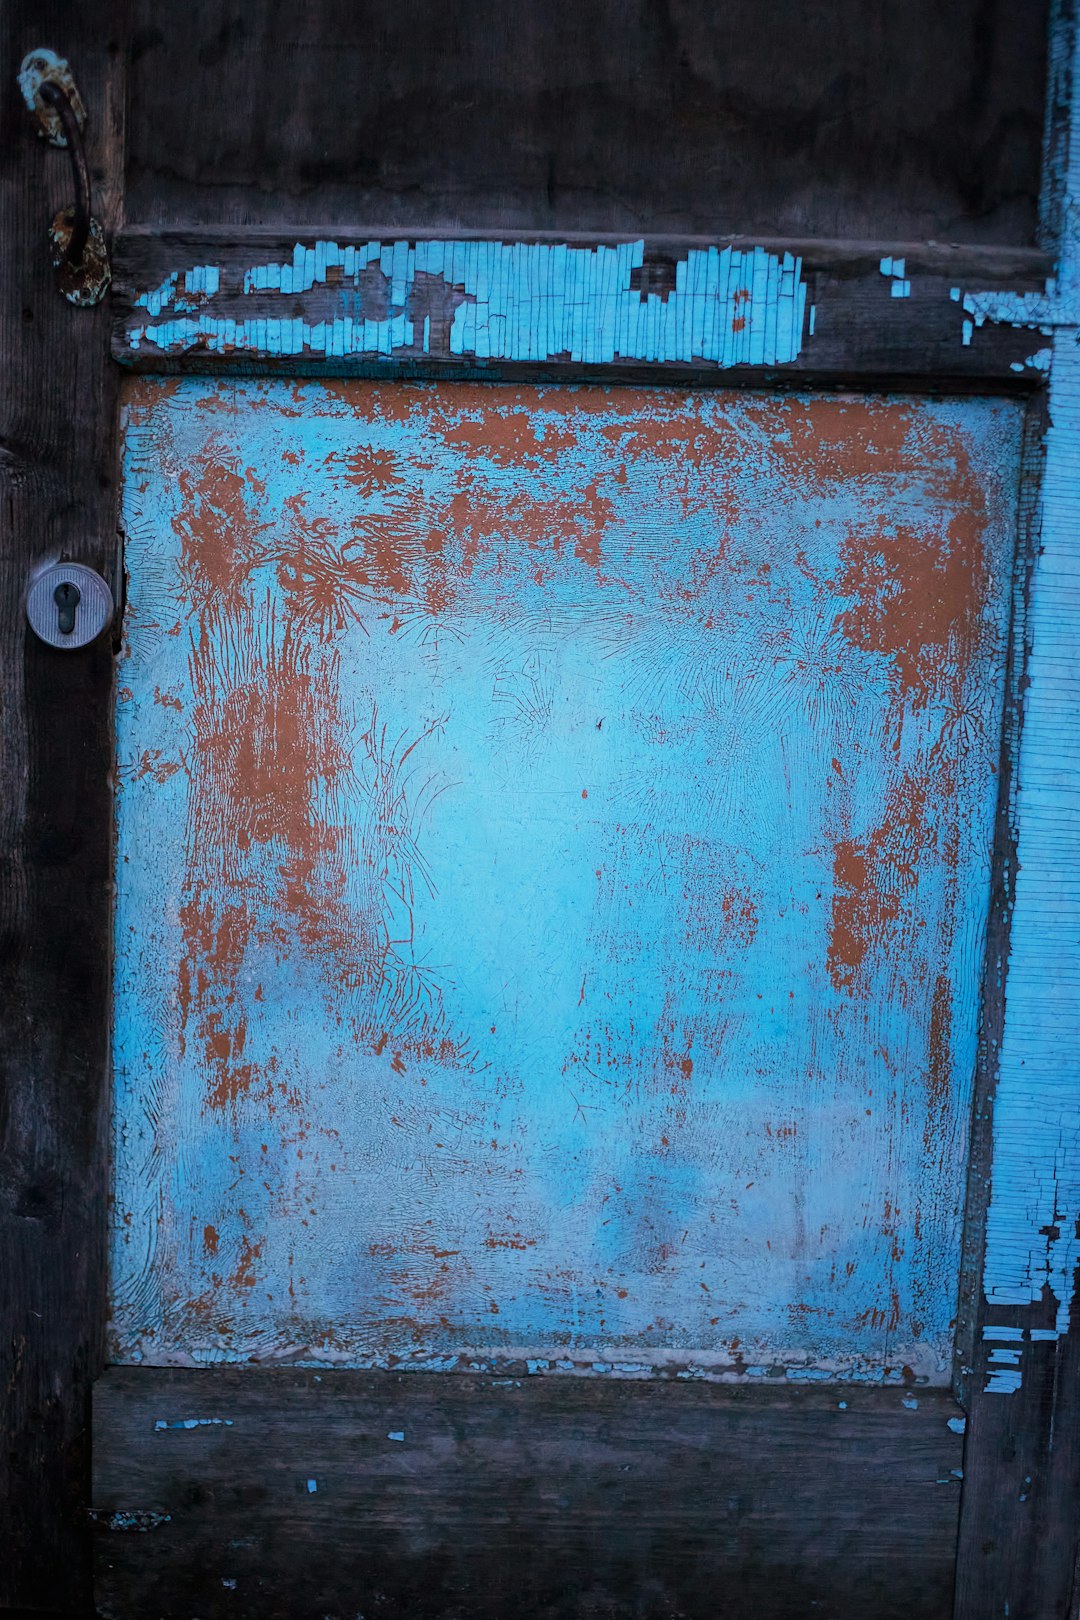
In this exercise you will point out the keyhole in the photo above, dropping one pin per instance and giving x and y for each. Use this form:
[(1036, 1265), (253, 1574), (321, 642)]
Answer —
[(66, 597)]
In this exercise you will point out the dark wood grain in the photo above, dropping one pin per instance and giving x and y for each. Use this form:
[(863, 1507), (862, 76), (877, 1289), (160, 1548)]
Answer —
[(861, 333), (850, 118), (57, 482), (545, 1497), (1019, 1539)]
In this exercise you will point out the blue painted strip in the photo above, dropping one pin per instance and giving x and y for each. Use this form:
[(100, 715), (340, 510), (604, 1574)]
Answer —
[(520, 301)]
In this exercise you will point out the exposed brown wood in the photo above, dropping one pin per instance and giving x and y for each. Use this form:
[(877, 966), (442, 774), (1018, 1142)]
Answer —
[(861, 333), (292, 1494), (856, 118), (57, 485)]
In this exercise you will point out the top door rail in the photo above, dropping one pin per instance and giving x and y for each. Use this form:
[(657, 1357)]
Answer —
[(538, 307)]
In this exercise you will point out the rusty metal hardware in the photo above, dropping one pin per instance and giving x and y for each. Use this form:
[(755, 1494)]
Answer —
[(79, 255), (59, 100)]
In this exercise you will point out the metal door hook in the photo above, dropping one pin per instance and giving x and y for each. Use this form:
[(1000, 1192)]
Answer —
[(59, 100), (79, 254)]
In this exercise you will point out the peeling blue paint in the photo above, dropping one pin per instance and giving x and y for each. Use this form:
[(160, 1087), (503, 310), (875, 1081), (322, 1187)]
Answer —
[(155, 299), (202, 278), (1032, 1247), (195, 1423), (895, 270), (512, 301)]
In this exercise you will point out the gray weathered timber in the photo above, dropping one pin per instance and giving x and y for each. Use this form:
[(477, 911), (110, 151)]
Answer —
[(247, 1493), (57, 488), (855, 118)]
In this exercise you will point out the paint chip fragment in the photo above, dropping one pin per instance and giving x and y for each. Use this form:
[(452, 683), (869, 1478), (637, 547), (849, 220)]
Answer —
[(195, 1423), (894, 269)]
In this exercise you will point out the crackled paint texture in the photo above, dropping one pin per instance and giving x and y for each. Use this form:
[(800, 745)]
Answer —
[(554, 836), (489, 300), (1033, 1225)]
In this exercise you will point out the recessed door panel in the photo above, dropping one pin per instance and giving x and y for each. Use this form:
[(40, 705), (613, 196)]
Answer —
[(554, 842)]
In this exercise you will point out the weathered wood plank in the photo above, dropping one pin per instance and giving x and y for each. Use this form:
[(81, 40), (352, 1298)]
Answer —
[(365, 303), (57, 495), (859, 117), (250, 1493), (1020, 1526)]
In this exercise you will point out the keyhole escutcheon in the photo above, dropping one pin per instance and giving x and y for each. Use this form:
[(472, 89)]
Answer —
[(68, 604)]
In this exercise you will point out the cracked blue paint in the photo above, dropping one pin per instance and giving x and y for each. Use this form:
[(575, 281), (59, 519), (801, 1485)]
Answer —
[(513, 301), (1032, 1246), (646, 1017)]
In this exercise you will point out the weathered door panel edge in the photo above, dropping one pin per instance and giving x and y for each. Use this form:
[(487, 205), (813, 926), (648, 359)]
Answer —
[(1002, 894), (1021, 1498)]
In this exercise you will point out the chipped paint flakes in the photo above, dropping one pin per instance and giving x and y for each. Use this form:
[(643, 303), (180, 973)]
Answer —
[(195, 1423), (899, 285), (141, 1520), (560, 939), (496, 300)]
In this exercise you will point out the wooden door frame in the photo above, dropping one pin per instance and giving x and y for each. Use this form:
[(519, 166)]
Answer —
[(59, 481), (977, 320)]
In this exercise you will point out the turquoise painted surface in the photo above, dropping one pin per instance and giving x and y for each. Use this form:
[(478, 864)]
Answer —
[(492, 300), (553, 860), (1033, 1223)]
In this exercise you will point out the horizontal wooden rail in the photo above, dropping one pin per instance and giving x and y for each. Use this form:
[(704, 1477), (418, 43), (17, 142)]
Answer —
[(528, 306), (245, 1492)]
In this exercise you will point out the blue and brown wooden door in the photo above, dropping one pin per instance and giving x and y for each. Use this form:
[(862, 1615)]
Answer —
[(543, 948)]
